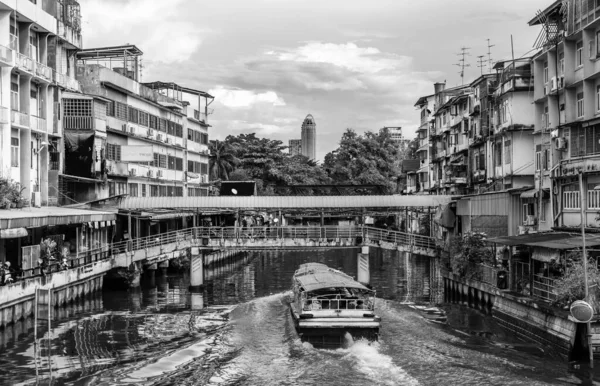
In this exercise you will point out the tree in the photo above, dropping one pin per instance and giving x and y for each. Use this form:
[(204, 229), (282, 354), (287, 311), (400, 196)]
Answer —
[(222, 160), (370, 159), (467, 252), (571, 285)]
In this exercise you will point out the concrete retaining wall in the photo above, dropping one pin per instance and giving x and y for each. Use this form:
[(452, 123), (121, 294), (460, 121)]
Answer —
[(522, 316)]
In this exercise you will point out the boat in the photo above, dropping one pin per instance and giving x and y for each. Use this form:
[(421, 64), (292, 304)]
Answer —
[(328, 304)]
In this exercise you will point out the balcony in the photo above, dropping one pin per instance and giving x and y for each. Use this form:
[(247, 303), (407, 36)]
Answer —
[(43, 72), (24, 63), (4, 115), (78, 122), (199, 116), (69, 34), (67, 82), (38, 124), (19, 119), (7, 57)]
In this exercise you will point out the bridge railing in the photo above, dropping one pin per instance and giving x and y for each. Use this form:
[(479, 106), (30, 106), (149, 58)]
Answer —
[(399, 237), (108, 251)]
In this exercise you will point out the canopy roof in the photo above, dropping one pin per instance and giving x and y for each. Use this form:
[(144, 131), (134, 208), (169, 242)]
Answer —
[(315, 276)]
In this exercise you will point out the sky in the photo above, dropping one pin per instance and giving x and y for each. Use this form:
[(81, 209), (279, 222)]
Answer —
[(350, 63)]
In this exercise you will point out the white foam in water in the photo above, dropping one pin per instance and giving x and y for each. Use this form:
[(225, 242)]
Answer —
[(376, 365)]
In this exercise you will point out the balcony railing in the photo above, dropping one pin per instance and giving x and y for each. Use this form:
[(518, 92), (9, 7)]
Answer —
[(43, 71), (67, 82), (38, 124), (78, 122), (24, 62), (19, 118), (7, 55)]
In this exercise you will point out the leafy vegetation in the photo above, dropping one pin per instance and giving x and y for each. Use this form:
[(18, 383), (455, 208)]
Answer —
[(571, 285), (11, 193), (467, 252)]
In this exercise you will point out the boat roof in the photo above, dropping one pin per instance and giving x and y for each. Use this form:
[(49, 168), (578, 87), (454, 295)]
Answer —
[(316, 276)]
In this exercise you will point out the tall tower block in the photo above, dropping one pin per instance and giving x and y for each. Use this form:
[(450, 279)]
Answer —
[(309, 137)]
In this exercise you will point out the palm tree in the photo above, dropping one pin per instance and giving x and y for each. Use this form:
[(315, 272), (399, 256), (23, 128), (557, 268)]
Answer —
[(222, 160)]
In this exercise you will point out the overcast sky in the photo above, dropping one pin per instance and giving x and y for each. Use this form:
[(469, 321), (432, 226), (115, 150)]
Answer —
[(349, 63)]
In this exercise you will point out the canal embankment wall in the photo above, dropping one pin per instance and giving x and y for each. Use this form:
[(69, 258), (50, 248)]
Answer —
[(523, 316)]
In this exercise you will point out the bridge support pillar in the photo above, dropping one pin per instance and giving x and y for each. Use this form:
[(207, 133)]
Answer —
[(150, 274), (136, 274), (363, 273), (197, 270)]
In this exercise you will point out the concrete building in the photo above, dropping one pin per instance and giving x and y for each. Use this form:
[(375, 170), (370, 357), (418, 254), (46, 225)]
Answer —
[(295, 146), (309, 137), (37, 40), (425, 107), (125, 137)]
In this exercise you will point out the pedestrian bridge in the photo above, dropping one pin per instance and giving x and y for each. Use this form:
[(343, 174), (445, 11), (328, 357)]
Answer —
[(270, 203)]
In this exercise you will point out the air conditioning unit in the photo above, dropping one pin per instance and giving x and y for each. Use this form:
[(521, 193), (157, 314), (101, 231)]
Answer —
[(561, 143), (150, 133), (531, 220), (168, 140), (150, 173), (132, 172), (159, 173), (553, 84), (159, 137), (131, 130), (124, 127)]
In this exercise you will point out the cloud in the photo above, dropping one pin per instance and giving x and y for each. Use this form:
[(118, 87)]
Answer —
[(156, 27), (244, 98)]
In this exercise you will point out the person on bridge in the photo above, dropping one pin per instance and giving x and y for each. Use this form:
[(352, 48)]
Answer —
[(6, 272)]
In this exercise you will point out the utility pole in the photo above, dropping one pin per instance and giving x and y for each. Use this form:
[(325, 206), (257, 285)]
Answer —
[(489, 53), (462, 64), (582, 205)]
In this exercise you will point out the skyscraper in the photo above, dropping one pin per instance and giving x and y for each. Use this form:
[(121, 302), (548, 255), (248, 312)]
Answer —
[(309, 137), (295, 146)]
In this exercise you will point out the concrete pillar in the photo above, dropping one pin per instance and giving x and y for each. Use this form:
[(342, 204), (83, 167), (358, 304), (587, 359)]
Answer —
[(150, 274), (196, 270), (136, 274), (363, 273), (197, 300)]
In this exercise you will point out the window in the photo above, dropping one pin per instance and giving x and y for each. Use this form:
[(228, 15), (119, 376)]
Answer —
[(77, 107), (561, 63), (111, 189), (133, 190), (543, 212), (546, 159), (580, 110), (507, 151), (14, 152), (538, 157), (571, 197), (545, 72), (110, 109), (143, 190), (121, 187), (162, 124), (498, 154), (153, 190), (545, 118), (579, 54), (153, 122), (178, 130), (528, 210), (190, 134), (143, 116), (113, 152), (121, 111), (162, 191), (597, 98), (133, 115), (14, 93), (178, 163)]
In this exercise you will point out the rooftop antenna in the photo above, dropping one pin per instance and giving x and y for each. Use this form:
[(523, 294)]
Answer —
[(480, 63), (141, 68), (461, 63), (489, 46)]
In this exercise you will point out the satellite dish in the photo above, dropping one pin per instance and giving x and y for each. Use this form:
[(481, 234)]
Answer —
[(582, 311), (234, 191)]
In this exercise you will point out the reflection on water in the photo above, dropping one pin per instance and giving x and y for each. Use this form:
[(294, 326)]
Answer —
[(239, 331)]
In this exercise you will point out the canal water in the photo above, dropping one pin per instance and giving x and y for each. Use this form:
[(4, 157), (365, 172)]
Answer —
[(244, 335)]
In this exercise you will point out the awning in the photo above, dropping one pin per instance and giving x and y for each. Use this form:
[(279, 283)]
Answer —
[(170, 215), (13, 233), (551, 240), (546, 255), (50, 216), (533, 193), (169, 104), (82, 179)]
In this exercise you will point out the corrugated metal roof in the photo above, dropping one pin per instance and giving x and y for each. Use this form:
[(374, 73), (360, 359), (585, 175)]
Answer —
[(551, 240), (314, 277), (38, 217), (284, 202)]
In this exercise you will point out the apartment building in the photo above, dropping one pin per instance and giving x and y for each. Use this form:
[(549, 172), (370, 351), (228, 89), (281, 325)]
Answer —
[(425, 107), (37, 42), (127, 137), (567, 103)]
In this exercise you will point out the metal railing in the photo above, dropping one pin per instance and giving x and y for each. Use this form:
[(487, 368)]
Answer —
[(338, 304), (543, 288), (24, 62), (399, 237), (196, 235), (78, 122), (43, 71), (38, 124)]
